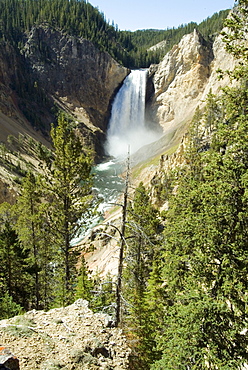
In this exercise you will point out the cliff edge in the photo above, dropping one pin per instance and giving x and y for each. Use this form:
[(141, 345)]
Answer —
[(71, 337)]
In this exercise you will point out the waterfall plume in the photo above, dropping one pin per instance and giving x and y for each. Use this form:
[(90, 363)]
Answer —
[(127, 127)]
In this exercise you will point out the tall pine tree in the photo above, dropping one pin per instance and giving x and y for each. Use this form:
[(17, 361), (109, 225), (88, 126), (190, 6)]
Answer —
[(68, 189)]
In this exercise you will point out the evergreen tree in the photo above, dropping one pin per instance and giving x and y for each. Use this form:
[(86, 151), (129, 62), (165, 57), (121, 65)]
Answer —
[(33, 232), (206, 273), (237, 30), (84, 282), (8, 307), (69, 192), (205, 270), (143, 242), (15, 279)]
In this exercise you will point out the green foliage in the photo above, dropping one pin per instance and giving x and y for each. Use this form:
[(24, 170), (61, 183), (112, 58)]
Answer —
[(33, 232), (205, 253), (143, 229), (14, 275), (237, 30), (9, 308), (79, 18), (38, 261), (68, 190), (104, 295), (141, 232), (196, 296), (84, 282)]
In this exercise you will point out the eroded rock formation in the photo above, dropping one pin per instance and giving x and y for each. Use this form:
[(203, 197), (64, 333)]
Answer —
[(184, 77), (74, 72), (53, 67)]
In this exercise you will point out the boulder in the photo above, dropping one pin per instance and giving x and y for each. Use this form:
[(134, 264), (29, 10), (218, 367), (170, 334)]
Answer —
[(7, 360)]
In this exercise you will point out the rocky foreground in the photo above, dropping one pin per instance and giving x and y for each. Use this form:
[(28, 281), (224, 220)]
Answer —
[(72, 337)]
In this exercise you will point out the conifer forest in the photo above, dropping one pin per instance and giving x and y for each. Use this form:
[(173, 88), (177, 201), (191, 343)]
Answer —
[(182, 300)]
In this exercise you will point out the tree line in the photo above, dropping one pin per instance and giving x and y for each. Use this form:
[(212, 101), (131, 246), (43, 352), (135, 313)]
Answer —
[(186, 276), (38, 262), (184, 280), (79, 18)]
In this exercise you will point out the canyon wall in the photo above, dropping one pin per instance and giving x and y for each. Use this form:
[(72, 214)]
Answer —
[(74, 72), (183, 79), (53, 67)]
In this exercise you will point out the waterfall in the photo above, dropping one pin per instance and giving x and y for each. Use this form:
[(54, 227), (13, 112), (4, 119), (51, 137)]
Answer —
[(127, 128)]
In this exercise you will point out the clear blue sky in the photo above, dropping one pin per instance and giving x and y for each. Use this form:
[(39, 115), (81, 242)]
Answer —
[(159, 14)]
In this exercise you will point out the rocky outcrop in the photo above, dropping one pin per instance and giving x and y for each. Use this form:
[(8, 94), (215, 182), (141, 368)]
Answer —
[(71, 337), (74, 72), (183, 79)]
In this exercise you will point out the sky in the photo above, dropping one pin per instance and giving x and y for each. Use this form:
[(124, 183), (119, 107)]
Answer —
[(158, 14)]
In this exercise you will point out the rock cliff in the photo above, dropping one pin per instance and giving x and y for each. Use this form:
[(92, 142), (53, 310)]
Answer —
[(184, 77), (74, 72), (52, 67), (13, 93), (53, 70)]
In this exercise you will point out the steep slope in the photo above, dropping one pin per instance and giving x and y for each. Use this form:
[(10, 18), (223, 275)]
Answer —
[(183, 79), (176, 87), (74, 72), (54, 71), (56, 68)]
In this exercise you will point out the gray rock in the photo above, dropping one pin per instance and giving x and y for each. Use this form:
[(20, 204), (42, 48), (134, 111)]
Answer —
[(7, 360)]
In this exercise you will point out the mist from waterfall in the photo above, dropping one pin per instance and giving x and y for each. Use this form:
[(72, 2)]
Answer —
[(127, 130)]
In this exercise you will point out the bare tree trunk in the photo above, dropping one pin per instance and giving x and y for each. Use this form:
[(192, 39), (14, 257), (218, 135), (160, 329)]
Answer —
[(122, 245)]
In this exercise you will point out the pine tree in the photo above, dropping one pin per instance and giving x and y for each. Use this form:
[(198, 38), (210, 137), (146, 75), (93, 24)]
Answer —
[(69, 192), (15, 279), (143, 242), (8, 307), (205, 270), (84, 282), (33, 232)]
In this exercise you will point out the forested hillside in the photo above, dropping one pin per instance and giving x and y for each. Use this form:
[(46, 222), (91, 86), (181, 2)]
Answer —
[(187, 284), (181, 291), (81, 19), (143, 40)]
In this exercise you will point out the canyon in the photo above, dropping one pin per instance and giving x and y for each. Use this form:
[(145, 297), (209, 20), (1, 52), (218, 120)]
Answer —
[(175, 88), (54, 69)]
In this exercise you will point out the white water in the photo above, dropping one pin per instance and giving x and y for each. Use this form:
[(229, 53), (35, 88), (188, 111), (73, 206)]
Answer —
[(108, 185), (127, 130)]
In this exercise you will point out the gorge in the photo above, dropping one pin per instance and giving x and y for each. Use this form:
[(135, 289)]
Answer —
[(167, 96), (87, 83), (160, 281), (72, 74)]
